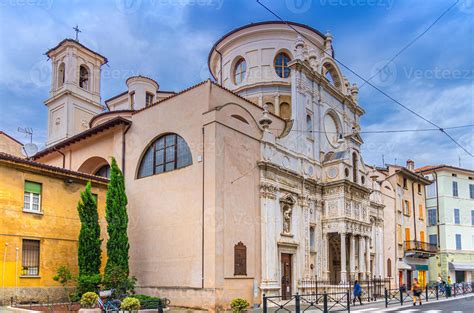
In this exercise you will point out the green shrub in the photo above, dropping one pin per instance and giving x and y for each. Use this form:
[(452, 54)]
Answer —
[(118, 280), (88, 283), (89, 299), (239, 305), (130, 304), (148, 302)]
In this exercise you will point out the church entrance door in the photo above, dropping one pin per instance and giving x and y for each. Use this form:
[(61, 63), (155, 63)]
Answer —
[(286, 276)]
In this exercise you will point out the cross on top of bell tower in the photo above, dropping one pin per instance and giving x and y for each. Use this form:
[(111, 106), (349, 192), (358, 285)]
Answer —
[(77, 30)]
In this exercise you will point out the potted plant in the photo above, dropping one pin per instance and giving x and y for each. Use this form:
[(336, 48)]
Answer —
[(239, 305), (130, 304), (89, 303)]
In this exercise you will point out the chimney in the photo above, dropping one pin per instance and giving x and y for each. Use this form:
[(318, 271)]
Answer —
[(411, 165)]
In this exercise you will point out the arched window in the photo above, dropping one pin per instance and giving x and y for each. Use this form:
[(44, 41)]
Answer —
[(285, 111), (103, 171), (83, 77), (167, 153), (271, 107), (240, 259), (240, 69), (61, 74), (309, 124), (389, 267), (281, 65), (354, 167)]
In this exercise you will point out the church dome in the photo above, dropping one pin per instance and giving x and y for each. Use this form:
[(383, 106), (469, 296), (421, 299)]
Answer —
[(252, 60)]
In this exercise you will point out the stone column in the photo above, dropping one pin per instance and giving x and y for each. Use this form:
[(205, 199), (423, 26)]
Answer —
[(277, 104), (325, 262), (367, 257), (352, 255), (343, 257), (361, 256)]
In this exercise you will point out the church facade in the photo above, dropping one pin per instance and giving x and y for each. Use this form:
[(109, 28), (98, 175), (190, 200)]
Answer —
[(251, 184)]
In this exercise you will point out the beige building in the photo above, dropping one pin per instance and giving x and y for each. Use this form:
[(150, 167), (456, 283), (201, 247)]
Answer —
[(247, 186), (406, 247), (10, 145)]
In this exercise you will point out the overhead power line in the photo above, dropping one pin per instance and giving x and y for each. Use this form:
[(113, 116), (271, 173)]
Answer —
[(411, 42), (385, 131), (367, 82)]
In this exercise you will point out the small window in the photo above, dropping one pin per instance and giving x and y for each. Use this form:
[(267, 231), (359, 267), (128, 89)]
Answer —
[(389, 267), (433, 239), (30, 257), (103, 171), (281, 65), (432, 217), (472, 218), (454, 175), (61, 74), (167, 153), (240, 259), (83, 77), (270, 107), (471, 191), (457, 219), (355, 170), (458, 242), (312, 239), (309, 124), (421, 212), (132, 100), (240, 69), (405, 183), (431, 190), (149, 99), (32, 197), (419, 189), (406, 207), (455, 189)]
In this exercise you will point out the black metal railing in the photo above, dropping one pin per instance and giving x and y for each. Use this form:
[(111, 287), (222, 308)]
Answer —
[(433, 291), (420, 246), (325, 302), (372, 288)]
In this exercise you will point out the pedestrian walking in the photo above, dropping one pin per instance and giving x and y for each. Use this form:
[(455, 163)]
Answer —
[(357, 292), (416, 289)]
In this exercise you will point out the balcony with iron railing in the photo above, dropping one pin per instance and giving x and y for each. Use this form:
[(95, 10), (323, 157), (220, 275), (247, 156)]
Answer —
[(420, 249)]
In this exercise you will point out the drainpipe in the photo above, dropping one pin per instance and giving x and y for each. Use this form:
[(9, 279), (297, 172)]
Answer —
[(202, 224), (437, 209), (64, 156), (3, 270), (414, 205)]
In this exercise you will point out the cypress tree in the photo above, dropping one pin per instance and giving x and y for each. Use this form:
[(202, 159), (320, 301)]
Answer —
[(89, 252), (117, 221)]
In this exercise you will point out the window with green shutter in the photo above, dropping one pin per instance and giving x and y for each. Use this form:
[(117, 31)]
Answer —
[(32, 197)]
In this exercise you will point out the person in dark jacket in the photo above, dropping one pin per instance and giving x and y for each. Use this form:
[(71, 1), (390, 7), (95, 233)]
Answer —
[(357, 292)]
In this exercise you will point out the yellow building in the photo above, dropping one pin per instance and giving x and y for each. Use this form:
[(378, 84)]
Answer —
[(39, 225)]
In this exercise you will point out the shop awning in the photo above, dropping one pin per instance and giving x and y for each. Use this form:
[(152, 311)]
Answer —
[(402, 265), (461, 266)]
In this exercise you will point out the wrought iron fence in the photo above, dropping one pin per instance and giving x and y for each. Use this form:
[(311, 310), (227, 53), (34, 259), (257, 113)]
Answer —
[(372, 289), (325, 302), (432, 291)]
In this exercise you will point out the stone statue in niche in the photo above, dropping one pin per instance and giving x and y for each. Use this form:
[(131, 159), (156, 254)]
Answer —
[(287, 220)]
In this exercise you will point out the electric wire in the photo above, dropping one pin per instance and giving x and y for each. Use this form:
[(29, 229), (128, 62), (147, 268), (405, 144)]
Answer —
[(411, 42), (367, 82)]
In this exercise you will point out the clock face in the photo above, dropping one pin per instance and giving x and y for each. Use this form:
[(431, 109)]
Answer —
[(331, 128)]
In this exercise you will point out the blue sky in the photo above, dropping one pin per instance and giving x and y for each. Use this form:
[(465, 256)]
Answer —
[(169, 40)]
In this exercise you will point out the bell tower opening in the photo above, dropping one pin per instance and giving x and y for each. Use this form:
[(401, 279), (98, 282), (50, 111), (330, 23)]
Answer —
[(75, 89)]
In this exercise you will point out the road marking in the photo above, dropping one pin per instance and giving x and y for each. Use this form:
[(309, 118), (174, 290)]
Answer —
[(365, 310)]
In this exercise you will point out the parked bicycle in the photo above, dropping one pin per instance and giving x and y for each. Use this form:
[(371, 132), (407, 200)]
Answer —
[(107, 303)]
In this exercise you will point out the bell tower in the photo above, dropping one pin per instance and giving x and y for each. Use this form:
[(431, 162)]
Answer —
[(74, 97)]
